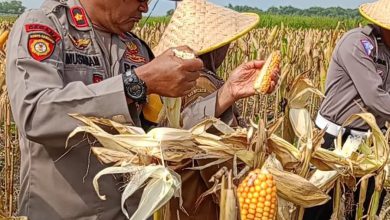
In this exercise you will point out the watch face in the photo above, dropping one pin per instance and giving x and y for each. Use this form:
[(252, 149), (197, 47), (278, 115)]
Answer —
[(135, 89)]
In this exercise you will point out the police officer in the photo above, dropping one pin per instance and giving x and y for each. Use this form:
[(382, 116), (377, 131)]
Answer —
[(80, 57), (358, 78), (67, 58)]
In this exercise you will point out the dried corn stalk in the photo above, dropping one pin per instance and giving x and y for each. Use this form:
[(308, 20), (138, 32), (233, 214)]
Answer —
[(228, 201), (128, 148)]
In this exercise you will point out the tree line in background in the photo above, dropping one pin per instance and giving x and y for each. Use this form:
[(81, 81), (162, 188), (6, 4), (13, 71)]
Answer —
[(310, 12), (334, 12), (12, 7)]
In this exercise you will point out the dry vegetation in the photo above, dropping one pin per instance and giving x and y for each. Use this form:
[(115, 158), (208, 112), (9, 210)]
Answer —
[(306, 54)]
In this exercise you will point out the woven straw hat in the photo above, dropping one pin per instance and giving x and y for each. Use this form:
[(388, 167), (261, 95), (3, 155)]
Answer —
[(377, 12), (204, 26)]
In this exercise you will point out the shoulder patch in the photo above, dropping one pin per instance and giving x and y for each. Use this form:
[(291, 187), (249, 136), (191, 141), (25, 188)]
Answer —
[(40, 46), (33, 27), (79, 17), (368, 47)]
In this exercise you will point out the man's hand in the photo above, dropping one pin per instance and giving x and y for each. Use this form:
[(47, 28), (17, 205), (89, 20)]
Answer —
[(240, 85), (171, 76)]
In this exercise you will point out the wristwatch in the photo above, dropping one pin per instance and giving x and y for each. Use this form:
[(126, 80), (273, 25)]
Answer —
[(135, 88)]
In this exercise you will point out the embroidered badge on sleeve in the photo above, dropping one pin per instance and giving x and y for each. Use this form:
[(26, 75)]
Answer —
[(43, 28), (40, 46), (368, 47)]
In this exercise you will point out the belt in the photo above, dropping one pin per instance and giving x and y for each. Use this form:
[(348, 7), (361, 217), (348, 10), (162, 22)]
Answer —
[(334, 129)]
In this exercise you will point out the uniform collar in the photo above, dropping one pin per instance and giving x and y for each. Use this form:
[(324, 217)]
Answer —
[(77, 16), (49, 6)]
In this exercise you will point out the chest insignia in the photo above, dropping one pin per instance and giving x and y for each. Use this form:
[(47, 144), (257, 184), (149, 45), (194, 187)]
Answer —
[(81, 43), (132, 53)]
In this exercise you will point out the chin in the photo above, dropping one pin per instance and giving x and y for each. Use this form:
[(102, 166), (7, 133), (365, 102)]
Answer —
[(126, 28)]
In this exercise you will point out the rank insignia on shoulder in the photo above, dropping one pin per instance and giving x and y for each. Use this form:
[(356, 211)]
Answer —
[(40, 46), (79, 17), (368, 47), (81, 43)]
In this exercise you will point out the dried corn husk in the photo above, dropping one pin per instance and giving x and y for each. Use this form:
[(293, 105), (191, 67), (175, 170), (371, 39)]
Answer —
[(301, 193), (126, 149), (326, 179), (228, 201), (161, 185)]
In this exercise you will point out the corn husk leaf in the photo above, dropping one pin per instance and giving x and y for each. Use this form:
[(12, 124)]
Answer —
[(286, 153), (202, 127), (302, 192), (301, 91), (163, 143), (171, 111), (108, 156), (301, 122), (120, 128), (228, 206), (325, 179), (357, 164), (160, 182)]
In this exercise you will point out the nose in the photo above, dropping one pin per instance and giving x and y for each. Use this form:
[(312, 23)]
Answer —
[(144, 8)]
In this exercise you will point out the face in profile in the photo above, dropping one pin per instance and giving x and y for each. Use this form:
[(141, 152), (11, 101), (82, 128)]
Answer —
[(123, 14)]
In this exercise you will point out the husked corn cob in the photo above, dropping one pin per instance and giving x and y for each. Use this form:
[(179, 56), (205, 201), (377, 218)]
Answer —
[(263, 81), (257, 196), (183, 54)]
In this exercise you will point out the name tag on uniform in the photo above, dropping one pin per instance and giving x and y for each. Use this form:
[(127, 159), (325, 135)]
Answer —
[(82, 59)]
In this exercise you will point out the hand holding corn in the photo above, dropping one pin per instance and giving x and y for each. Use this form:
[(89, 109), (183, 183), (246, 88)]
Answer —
[(172, 106), (170, 76)]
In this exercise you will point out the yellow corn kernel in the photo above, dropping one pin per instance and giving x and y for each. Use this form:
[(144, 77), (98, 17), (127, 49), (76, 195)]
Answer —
[(260, 201), (263, 81)]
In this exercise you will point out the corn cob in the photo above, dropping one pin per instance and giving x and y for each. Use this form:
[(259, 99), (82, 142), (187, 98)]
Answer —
[(3, 39), (183, 54), (263, 81), (257, 196)]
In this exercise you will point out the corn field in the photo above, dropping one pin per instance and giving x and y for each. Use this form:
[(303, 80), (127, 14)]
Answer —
[(305, 53)]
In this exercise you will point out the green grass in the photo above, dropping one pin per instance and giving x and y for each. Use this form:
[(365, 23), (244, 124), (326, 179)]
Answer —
[(269, 20)]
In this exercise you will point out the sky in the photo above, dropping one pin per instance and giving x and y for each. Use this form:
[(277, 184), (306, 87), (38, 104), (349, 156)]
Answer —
[(165, 5)]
